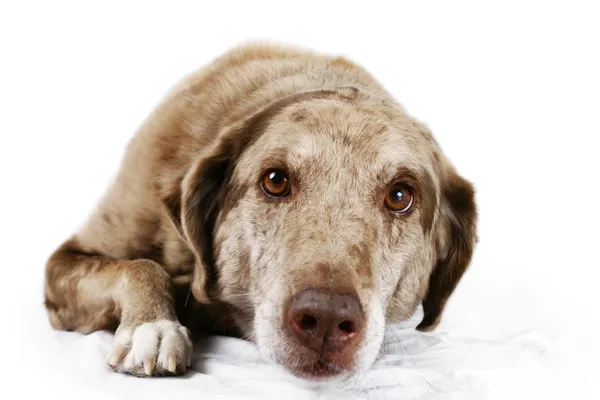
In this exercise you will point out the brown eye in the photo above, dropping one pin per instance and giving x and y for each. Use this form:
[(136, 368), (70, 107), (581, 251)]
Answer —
[(276, 183), (399, 198)]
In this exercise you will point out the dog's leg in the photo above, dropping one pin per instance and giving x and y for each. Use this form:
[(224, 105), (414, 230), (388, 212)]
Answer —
[(86, 292)]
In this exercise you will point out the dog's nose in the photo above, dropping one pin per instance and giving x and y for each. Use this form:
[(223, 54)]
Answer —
[(325, 322)]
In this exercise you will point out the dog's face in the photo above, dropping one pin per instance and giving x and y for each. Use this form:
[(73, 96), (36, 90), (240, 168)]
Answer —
[(321, 218)]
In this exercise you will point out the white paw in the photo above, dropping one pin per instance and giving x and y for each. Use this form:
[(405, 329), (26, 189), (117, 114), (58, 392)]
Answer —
[(160, 347)]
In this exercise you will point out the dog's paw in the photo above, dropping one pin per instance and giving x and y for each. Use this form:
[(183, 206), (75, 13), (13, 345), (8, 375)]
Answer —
[(157, 348)]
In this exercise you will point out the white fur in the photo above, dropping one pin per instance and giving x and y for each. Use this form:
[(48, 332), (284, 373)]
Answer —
[(375, 331), (266, 325), (152, 348)]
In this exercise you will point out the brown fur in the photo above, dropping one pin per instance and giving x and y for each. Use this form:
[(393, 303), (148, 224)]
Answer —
[(186, 210)]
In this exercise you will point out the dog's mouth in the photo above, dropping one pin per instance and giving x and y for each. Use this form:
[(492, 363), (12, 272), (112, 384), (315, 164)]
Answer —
[(317, 370), (315, 365)]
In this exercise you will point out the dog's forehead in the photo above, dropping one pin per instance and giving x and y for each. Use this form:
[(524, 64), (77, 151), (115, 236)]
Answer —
[(344, 134)]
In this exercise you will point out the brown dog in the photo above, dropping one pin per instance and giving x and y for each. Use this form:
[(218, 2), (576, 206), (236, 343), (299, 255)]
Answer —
[(296, 200)]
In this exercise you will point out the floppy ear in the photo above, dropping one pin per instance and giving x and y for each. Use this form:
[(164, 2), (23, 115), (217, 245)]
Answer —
[(456, 238), (193, 203), (193, 206)]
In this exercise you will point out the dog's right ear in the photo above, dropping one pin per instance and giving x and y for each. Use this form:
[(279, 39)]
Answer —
[(193, 204), (194, 200)]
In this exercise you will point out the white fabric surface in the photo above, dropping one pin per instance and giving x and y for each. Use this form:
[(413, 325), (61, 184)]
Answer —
[(452, 363)]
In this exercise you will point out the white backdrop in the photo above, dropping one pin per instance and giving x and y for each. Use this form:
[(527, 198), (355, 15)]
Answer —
[(511, 91)]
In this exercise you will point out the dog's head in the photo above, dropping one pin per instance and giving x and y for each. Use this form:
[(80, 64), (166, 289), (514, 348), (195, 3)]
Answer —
[(321, 217)]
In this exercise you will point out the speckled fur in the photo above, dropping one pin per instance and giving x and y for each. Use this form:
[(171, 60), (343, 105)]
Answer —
[(186, 210)]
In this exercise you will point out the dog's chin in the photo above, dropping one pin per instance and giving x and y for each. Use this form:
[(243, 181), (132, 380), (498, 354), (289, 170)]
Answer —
[(319, 371), (309, 365), (309, 370)]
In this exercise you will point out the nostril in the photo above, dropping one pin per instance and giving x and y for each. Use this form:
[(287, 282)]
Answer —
[(307, 322), (330, 324), (347, 327)]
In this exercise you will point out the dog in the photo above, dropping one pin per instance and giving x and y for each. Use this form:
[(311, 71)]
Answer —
[(277, 194)]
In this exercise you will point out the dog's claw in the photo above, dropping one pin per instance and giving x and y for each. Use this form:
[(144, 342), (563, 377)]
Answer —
[(114, 360), (172, 367), (118, 354), (149, 367)]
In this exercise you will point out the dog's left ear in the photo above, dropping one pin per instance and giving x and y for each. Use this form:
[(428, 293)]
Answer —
[(456, 238)]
